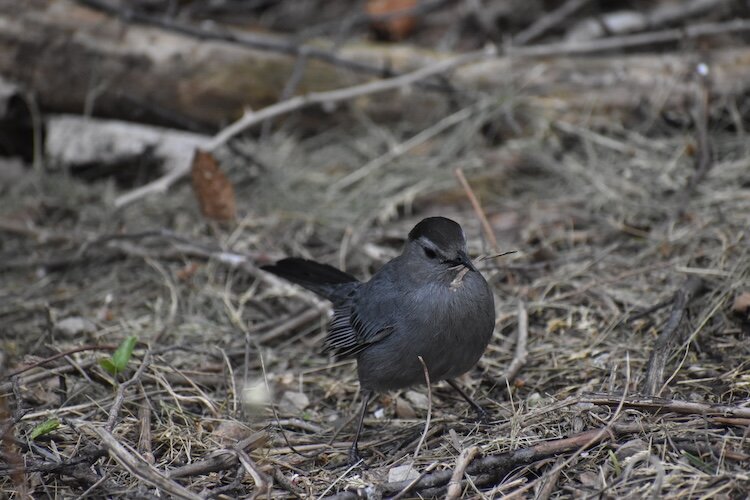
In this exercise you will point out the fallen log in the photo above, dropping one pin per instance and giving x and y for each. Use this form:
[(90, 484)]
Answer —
[(75, 59), (74, 141)]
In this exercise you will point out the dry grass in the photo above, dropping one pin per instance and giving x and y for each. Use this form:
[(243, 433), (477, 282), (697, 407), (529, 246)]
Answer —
[(605, 228)]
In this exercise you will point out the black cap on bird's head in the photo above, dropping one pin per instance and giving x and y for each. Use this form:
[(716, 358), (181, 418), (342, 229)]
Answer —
[(442, 240), (442, 231)]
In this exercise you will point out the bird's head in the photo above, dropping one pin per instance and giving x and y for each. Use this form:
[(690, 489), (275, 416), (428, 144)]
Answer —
[(438, 244)]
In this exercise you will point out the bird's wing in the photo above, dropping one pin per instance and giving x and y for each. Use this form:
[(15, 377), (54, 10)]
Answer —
[(367, 317), (347, 335)]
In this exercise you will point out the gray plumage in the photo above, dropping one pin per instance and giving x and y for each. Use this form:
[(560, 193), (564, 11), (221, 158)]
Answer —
[(430, 301), (413, 306)]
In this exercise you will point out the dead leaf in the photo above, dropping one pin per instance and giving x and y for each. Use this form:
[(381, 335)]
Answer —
[(229, 432), (630, 448), (741, 304), (404, 409), (187, 271), (589, 479), (396, 26), (49, 393), (213, 190), (105, 314)]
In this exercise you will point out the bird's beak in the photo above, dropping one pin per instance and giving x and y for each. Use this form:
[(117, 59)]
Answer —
[(465, 261)]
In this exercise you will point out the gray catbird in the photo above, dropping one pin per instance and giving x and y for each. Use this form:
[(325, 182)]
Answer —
[(430, 301)]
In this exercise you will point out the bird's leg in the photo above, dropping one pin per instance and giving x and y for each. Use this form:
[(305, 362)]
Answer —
[(481, 412), (354, 450)]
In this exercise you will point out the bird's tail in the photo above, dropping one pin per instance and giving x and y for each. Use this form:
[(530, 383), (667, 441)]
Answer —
[(322, 279)]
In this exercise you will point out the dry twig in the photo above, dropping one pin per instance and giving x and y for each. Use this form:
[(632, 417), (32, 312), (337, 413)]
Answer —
[(220, 459), (631, 41), (409, 486), (498, 465), (488, 232), (139, 468), (669, 337), (661, 405), (114, 413), (145, 436), (548, 21), (251, 40), (106, 347), (463, 461), (519, 358), (429, 407), (263, 482), (550, 480), (8, 448)]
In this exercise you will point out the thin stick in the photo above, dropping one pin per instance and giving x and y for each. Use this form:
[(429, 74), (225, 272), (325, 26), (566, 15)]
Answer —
[(262, 480), (109, 347), (220, 459), (550, 480), (506, 462), (662, 405), (704, 159), (429, 407), (342, 476), (519, 358), (345, 94), (477, 208), (37, 377), (120, 398), (256, 41), (463, 461), (669, 336), (285, 483), (139, 468), (496, 255), (550, 20), (298, 320), (8, 447), (403, 148), (629, 41), (409, 486), (144, 438)]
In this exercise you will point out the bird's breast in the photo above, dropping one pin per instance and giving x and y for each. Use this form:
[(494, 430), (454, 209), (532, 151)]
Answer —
[(448, 328), (463, 310)]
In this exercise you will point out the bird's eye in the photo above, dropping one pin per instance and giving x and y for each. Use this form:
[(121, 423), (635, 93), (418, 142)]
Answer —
[(430, 253)]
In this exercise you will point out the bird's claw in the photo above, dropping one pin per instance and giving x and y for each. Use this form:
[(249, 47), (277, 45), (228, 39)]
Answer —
[(482, 416), (355, 458)]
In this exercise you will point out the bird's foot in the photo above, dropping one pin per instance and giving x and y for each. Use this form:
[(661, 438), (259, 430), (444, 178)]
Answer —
[(481, 415), (355, 459)]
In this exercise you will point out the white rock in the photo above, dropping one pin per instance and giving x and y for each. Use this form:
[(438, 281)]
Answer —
[(417, 399), (402, 473), (293, 402), (75, 325)]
